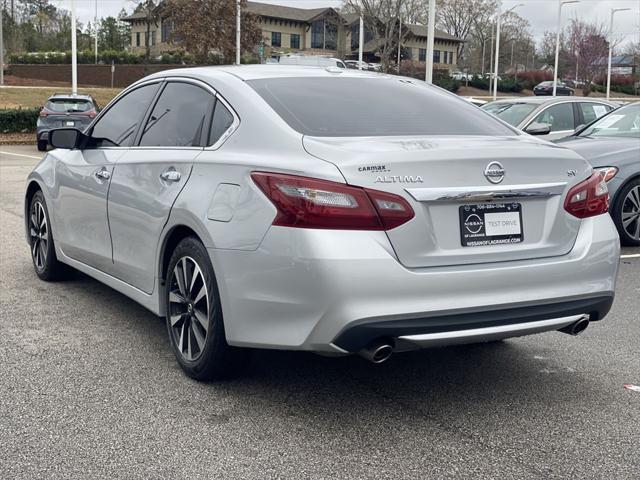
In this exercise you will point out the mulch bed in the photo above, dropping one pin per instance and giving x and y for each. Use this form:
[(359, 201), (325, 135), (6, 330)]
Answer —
[(18, 138)]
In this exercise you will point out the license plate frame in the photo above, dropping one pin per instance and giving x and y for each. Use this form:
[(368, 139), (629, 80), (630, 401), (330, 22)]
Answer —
[(503, 226)]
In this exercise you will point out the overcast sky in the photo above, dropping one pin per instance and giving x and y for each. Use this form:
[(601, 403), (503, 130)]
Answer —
[(541, 14)]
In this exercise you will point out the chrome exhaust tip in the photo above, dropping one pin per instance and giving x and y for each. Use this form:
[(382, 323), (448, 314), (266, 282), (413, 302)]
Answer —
[(377, 352), (576, 328)]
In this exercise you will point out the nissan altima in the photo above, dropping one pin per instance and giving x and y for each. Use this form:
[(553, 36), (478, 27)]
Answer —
[(322, 209)]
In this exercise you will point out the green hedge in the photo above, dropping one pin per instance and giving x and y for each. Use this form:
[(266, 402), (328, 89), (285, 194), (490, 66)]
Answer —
[(507, 84), (105, 56), (18, 120)]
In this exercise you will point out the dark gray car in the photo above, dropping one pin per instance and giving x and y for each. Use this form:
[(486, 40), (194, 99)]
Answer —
[(612, 145), (64, 110)]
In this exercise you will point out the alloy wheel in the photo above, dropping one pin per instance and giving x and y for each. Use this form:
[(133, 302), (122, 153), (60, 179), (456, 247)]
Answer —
[(631, 213), (39, 232), (189, 308)]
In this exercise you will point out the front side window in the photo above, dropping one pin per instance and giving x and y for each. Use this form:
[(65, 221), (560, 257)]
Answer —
[(294, 41), (559, 117), (378, 106), (179, 116), (118, 125), (591, 111), (276, 39)]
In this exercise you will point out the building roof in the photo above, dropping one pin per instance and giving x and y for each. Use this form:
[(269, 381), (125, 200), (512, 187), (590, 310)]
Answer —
[(308, 15)]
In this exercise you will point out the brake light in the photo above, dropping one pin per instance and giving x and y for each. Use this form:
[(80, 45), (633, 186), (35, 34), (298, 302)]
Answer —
[(304, 202), (43, 113), (588, 198), (92, 114)]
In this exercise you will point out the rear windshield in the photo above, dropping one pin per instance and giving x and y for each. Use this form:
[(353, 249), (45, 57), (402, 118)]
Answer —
[(512, 113), (64, 105), (359, 107)]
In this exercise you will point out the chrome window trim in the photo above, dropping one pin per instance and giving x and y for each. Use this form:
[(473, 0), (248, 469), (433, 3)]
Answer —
[(489, 192), (229, 131)]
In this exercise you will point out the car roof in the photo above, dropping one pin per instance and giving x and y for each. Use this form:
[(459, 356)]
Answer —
[(550, 101), (255, 72)]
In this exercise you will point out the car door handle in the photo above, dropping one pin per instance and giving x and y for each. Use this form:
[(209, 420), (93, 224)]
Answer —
[(170, 175), (103, 174)]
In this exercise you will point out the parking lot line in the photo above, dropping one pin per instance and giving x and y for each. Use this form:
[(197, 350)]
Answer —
[(19, 154), (634, 255)]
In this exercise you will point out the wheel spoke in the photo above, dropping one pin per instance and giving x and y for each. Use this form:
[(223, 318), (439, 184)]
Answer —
[(185, 272), (634, 198), (202, 318), (189, 351), (627, 218), (43, 252), (182, 339), (201, 294), (176, 318), (175, 297), (196, 274), (180, 279), (637, 234), (199, 338)]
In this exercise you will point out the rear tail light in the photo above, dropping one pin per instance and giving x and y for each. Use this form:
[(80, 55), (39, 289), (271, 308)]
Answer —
[(588, 198), (304, 202), (92, 113), (43, 113), (607, 173)]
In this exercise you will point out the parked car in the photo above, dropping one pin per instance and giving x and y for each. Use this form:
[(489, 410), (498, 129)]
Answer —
[(546, 88), (478, 102), (64, 110), (311, 60), (461, 76), (612, 145), (308, 209), (355, 64), (552, 118), (375, 67)]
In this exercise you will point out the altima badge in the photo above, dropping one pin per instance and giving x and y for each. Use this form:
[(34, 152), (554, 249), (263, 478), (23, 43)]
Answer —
[(399, 179), (494, 172)]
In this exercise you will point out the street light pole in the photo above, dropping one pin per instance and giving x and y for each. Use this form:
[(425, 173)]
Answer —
[(613, 10), (238, 32), (399, 43), (95, 26), (74, 51), (360, 42), (430, 38), (497, 59), (555, 65), (483, 45), (1, 46)]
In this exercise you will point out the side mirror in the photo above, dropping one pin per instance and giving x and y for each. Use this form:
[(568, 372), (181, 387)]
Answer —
[(538, 129), (68, 138)]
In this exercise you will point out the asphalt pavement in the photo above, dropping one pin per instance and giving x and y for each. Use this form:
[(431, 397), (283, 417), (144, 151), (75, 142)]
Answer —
[(89, 389)]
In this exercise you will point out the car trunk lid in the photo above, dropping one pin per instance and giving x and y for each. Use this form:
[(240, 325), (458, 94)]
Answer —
[(447, 180)]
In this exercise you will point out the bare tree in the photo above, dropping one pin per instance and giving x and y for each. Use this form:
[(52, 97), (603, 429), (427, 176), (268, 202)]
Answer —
[(589, 44), (461, 17), (382, 19)]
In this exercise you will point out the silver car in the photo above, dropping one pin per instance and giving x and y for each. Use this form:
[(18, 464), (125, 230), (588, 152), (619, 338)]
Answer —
[(551, 118), (330, 211)]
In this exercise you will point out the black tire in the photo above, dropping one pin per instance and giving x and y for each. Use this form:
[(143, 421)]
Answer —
[(623, 205), (42, 145), (216, 360), (42, 248)]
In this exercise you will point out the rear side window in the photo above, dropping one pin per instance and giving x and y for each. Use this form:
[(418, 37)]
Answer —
[(376, 106), (559, 117), (119, 124), (68, 105), (179, 117), (592, 111), (222, 120)]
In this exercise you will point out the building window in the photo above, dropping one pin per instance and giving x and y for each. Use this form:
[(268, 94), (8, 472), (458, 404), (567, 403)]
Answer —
[(331, 36), (450, 57), (294, 41), (165, 30), (276, 39), (446, 57), (317, 34), (422, 54), (355, 36), (436, 56), (137, 39), (153, 37)]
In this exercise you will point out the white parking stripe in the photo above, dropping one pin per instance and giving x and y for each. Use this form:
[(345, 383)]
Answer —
[(19, 155), (634, 255)]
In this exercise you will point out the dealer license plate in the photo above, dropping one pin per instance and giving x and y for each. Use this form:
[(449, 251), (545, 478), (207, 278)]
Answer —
[(490, 224)]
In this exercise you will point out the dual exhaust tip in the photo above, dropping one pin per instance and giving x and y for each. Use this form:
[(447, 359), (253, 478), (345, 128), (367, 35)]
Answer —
[(379, 351)]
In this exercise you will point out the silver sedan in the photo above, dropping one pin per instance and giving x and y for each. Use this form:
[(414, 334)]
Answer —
[(550, 118), (332, 211)]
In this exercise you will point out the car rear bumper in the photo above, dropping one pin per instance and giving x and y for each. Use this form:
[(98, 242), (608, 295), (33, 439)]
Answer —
[(335, 291)]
